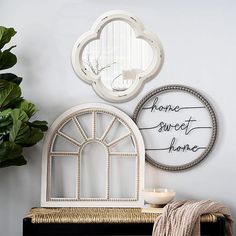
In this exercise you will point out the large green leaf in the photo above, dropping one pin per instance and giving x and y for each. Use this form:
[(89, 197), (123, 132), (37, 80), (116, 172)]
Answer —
[(28, 107), (18, 161), (8, 92), (19, 133), (35, 136), (5, 122), (42, 125), (24, 135), (5, 115), (14, 103), (18, 114), (9, 150), (11, 77), (5, 35), (6, 112), (7, 59)]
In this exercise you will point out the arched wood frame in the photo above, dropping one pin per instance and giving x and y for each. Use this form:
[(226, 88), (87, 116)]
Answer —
[(48, 153)]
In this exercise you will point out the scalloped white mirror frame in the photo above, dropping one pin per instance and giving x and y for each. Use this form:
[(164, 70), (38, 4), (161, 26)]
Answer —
[(94, 33), (94, 108)]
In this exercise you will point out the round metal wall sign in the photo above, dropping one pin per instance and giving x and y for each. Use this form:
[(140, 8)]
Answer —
[(178, 126)]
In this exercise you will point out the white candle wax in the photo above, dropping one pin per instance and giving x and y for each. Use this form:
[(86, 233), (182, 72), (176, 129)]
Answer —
[(158, 196)]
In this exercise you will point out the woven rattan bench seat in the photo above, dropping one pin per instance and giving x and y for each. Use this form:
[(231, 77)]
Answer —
[(98, 215), (103, 221)]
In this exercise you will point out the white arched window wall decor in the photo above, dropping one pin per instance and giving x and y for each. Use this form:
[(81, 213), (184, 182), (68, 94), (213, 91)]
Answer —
[(117, 56), (93, 156)]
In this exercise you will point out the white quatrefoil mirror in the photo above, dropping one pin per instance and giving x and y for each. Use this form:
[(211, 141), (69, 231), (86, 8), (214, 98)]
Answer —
[(117, 56), (93, 156)]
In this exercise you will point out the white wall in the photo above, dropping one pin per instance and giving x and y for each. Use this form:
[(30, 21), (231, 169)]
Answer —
[(199, 41)]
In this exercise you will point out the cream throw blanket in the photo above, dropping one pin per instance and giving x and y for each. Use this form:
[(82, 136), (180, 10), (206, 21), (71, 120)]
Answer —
[(182, 218)]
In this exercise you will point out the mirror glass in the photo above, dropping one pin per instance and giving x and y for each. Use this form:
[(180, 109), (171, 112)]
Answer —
[(117, 57)]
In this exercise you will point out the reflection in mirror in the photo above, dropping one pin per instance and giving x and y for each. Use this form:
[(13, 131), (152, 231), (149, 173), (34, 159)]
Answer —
[(63, 176), (93, 171), (118, 57)]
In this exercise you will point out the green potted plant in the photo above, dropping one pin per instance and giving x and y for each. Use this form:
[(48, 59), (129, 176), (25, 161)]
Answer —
[(17, 130)]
